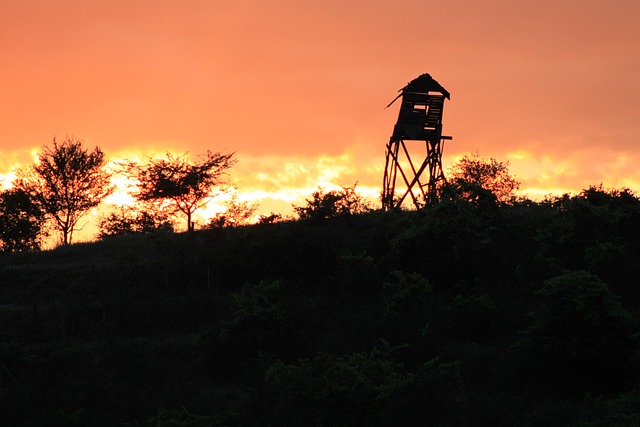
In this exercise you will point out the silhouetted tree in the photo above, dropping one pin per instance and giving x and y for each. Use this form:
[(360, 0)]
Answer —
[(129, 220), (66, 182), (21, 222), (324, 205), (474, 179), (186, 186), (236, 213)]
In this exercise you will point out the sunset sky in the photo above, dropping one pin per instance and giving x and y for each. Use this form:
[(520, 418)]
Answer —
[(298, 88)]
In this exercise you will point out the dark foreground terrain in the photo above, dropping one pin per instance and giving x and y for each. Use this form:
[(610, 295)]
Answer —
[(461, 315)]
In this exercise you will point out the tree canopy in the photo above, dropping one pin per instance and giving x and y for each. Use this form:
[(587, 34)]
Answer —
[(21, 222), (186, 186), (66, 182), (330, 204), (474, 178)]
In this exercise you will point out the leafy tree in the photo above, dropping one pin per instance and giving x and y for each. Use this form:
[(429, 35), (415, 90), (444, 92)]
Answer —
[(129, 220), (476, 179), (66, 182), (324, 205), (185, 186), (21, 222)]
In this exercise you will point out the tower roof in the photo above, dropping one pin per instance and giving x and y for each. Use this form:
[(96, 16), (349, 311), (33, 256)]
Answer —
[(424, 84)]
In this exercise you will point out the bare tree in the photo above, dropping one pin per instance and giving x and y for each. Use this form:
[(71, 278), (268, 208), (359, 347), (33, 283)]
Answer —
[(186, 186), (66, 182)]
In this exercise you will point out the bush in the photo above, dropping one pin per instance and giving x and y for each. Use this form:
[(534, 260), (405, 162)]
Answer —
[(129, 220), (361, 389), (332, 204), (580, 336)]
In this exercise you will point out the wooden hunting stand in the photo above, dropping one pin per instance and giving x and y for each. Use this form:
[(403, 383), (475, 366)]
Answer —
[(420, 119)]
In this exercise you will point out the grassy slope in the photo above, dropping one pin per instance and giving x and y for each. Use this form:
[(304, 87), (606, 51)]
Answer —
[(417, 315)]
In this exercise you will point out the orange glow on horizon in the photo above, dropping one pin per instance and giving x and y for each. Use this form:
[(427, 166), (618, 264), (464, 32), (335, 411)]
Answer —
[(288, 182), (297, 89)]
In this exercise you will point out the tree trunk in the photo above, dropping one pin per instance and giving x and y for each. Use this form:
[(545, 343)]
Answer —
[(190, 225)]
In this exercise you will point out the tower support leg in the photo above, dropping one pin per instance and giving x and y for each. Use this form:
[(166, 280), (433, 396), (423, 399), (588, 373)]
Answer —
[(420, 194)]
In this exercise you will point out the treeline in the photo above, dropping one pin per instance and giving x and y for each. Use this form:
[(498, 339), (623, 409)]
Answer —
[(69, 180), (481, 310)]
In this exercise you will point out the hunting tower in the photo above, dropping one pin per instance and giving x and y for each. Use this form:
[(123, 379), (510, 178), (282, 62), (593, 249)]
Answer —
[(420, 119)]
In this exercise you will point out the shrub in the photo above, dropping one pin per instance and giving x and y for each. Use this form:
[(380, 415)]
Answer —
[(581, 335)]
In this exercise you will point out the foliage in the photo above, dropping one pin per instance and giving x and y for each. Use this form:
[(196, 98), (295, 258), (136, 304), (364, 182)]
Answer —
[(182, 418), (595, 230), (257, 321), (257, 301), (270, 219), (236, 213), (363, 388), (324, 205), (522, 314), (581, 333), (479, 180), (622, 411), (66, 182), (129, 220), (408, 311), (21, 222), (186, 186), (407, 292)]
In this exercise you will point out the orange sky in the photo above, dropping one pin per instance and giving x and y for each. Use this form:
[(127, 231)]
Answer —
[(298, 88)]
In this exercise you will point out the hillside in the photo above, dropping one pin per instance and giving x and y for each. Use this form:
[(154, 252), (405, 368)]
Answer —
[(459, 315)]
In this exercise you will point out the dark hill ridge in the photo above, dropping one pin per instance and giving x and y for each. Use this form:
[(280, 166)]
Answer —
[(521, 314)]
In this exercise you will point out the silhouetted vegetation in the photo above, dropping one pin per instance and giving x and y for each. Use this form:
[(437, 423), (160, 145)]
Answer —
[(236, 213), (463, 314), (186, 186), (134, 219), (330, 204), (21, 222), (66, 182), (482, 181)]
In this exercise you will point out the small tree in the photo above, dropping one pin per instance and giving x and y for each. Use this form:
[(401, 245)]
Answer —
[(474, 178), (236, 213), (21, 222), (185, 186), (66, 182), (324, 205)]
